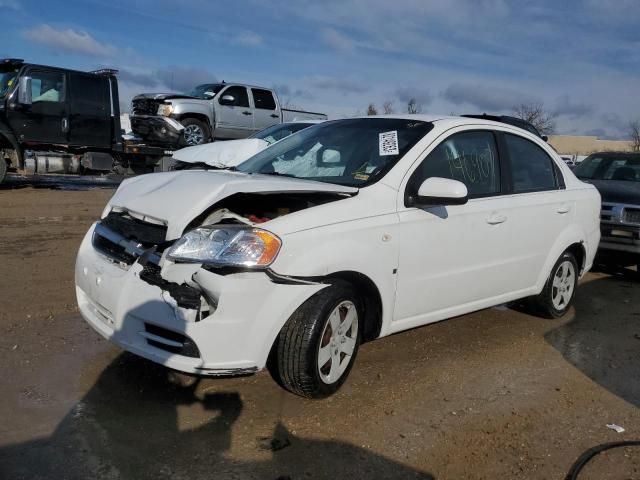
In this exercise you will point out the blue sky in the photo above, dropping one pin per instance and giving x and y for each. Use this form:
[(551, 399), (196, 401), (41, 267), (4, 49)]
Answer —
[(580, 58)]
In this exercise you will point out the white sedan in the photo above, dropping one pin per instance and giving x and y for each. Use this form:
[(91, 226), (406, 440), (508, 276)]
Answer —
[(344, 232)]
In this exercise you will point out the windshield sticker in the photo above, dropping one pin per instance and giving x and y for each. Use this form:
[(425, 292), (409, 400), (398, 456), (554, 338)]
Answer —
[(389, 143), (360, 176)]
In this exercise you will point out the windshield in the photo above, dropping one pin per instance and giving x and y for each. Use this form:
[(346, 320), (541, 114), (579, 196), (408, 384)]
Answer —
[(279, 131), (7, 81), (206, 91), (354, 152), (610, 167)]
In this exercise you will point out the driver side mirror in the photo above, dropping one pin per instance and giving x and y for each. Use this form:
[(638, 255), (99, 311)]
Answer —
[(24, 91), (227, 100), (436, 191), (327, 157)]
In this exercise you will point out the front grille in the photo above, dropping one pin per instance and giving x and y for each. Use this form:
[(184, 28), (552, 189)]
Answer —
[(144, 106), (170, 341), (631, 215), (124, 238), (606, 212)]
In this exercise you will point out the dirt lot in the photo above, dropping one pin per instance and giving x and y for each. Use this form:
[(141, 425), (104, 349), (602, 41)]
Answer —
[(494, 394)]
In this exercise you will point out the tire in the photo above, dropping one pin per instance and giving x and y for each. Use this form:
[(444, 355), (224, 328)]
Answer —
[(297, 361), (196, 132), (3, 169), (559, 290)]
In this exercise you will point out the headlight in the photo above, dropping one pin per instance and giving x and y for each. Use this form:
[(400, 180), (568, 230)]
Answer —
[(227, 246), (165, 109)]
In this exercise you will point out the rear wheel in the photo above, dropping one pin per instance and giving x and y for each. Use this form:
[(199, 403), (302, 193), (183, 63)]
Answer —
[(196, 132), (559, 291), (317, 347)]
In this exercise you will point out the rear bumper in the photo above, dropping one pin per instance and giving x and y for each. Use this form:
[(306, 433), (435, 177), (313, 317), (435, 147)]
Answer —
[(157, 129), (233, 336)]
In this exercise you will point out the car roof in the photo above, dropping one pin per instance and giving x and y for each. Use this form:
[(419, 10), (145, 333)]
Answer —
[(451, 120)]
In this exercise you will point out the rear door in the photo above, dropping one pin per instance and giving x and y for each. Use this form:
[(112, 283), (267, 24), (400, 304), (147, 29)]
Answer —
[(46, 119), (90, 113), (538, 207), (266, 111), (234, 120)]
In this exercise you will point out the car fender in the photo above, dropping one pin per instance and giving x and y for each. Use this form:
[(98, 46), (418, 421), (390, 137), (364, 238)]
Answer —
[(570, 235), (367, 246)]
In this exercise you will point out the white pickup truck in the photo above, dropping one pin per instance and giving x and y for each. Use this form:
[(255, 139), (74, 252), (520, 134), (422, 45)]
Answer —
[(212, 111)]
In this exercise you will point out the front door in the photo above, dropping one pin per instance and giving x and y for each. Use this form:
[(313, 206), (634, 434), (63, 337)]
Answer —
[(452, 257), (46, 120), (234, 120)]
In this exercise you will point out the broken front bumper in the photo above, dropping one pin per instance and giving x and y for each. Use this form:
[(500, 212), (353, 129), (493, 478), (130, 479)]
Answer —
[(231, 333), (157, 129)]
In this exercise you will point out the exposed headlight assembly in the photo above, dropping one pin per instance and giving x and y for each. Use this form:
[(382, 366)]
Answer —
[(227, 247), (165, 109)]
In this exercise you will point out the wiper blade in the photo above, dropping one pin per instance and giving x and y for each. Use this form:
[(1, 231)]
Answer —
[(278, 174)]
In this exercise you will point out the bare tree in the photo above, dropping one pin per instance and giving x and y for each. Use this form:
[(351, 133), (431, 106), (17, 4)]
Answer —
[(372, 110), (536, 115), (387, 107), (634, 133), (413, 106)]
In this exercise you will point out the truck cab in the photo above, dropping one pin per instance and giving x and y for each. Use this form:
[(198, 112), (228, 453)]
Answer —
[(69, 116)]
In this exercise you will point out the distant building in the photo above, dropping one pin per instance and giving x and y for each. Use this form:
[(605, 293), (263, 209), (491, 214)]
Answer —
[(580, 145)]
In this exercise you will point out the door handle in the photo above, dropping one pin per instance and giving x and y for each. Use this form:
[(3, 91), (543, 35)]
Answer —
[(273, 115), (564, 208), (65, 125), (496, 218), (246, 112)]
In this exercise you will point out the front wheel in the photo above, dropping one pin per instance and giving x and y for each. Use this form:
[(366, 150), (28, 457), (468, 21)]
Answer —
[(317, 347), (196, 132), (559, 290)]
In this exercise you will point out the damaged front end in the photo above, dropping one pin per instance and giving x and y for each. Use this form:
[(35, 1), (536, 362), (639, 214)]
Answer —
[(193, 314)]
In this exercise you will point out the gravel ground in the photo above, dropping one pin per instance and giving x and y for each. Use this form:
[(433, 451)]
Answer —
[(494, 394)]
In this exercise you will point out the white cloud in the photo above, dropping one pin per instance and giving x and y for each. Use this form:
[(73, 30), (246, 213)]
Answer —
[(69, 41), (486, 98), (11, 4), (249, 39), (337, 40)]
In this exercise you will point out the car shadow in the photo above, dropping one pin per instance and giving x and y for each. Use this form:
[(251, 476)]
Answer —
[(603, 338), (140, 420)]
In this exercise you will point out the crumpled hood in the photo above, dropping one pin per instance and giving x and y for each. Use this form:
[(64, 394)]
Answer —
[(180, 196), (228, 153)]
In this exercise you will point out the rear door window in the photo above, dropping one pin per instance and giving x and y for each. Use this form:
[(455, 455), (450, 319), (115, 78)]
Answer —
[(263, 99), (531, 167)]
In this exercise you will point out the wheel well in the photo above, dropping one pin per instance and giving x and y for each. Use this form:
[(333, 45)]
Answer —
[(372, 302), (578, 251), (197, 116)]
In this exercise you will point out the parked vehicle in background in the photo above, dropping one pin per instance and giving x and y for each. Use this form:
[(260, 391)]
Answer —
[(231, 153), (509, 120), (56, 120), (336, 235), (212, 112), (617, 178)]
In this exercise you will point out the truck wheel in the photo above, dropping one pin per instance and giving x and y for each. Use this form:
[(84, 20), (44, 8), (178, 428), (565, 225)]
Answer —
[(196, 132), (3, 169), (558, 293), (317, 347)]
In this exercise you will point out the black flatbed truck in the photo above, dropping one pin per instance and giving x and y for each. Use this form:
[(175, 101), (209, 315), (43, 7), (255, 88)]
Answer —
[(57, 120)]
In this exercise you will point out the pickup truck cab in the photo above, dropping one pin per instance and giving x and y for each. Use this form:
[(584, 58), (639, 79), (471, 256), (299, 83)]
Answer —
[(215, 111), (336, 235)]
